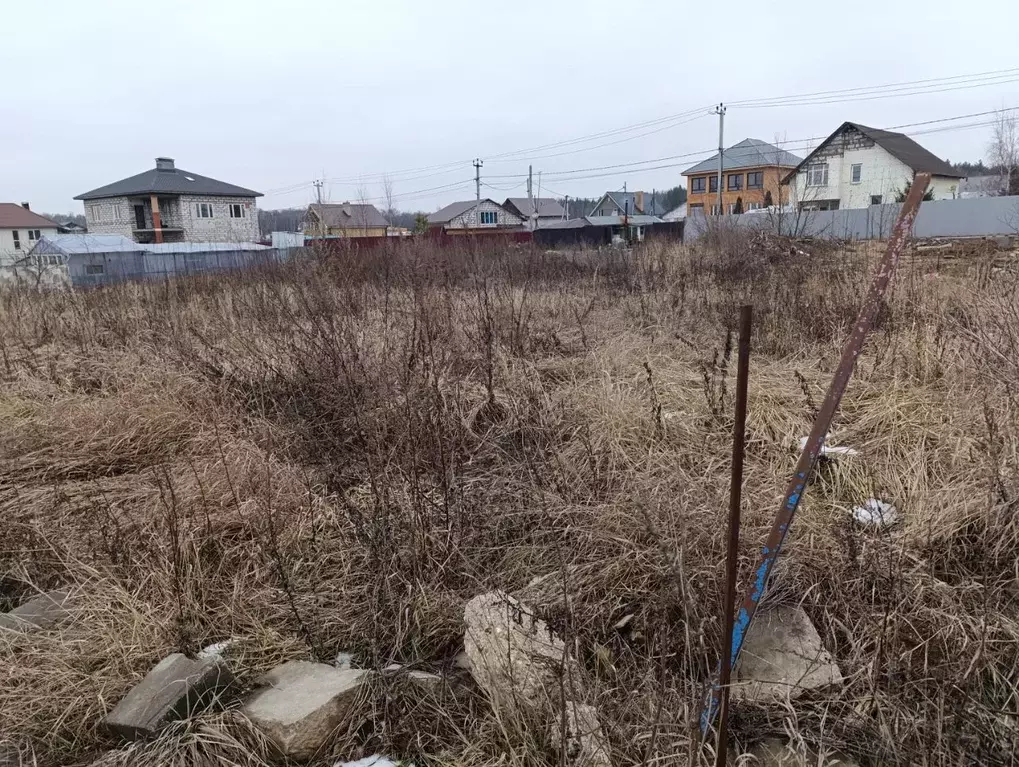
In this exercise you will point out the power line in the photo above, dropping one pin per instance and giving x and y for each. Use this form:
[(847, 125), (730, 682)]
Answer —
[(899, 85)]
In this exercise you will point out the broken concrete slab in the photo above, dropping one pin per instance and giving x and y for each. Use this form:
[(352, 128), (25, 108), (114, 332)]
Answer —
[(513, 655), (523, 667), (302, 704), (782, 657), (175, 688), (39, 613), (774, 752)]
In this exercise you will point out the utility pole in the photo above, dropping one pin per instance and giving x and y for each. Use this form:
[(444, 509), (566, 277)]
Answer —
[(566, 208), (477, 186), (530, 196), (318, 190), (720, 111)]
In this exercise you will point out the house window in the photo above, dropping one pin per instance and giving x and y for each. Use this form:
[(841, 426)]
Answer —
[(875, 199), (735, 182), (817, 174), (731, 208), (698, 185), (33, 234), (96, 212), (94, 268), (17, 240), (856, 172), (713, 183), (753, 206), (236, 210), (714, 210), (204, 209), (755, 180), (699, 207), (489, 217)]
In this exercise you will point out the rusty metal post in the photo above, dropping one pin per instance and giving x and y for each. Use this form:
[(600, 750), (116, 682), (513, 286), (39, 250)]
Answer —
[(739, 430), (811, 451)]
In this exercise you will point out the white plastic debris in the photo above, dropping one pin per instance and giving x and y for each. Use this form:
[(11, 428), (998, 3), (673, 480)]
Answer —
[(344, 661), (832, 451), (369, 761), (215, 650), (876, 513)]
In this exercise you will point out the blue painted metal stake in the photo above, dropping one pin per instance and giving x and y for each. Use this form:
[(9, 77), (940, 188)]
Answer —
[(812, 449)]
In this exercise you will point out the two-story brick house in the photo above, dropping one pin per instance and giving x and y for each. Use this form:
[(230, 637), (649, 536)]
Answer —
[(167, 204), (752, 175)]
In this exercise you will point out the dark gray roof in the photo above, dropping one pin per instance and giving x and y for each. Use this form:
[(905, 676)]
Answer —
[(749, 153), (898, 145), (349, 215), (548, 207), (167, 179)]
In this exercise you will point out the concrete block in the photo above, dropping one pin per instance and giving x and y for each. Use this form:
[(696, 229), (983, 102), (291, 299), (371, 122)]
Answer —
[(42, 612), (176, 688), (302, 704), (782, 657)]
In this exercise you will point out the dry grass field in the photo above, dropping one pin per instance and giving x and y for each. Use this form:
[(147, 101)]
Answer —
[(334, 455)]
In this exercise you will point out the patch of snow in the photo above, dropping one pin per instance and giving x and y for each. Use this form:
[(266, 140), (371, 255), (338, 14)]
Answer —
[(829, 451), (344, 661), (216, 649), (876, 513), (369, 761)]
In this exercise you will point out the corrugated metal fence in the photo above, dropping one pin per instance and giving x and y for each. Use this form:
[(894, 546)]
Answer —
[(978, 217)]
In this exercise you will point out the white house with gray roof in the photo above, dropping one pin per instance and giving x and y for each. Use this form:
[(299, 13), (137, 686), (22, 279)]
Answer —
[(470, 215), (168, 204)]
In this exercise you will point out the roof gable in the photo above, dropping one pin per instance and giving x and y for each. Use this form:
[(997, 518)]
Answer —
[(898, 145), (454, 209)]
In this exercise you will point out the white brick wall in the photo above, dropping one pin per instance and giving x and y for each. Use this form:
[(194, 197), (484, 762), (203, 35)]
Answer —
[(221, 227), (117, 216)]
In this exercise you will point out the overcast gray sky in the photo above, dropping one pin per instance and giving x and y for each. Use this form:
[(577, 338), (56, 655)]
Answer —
[(271, 95)]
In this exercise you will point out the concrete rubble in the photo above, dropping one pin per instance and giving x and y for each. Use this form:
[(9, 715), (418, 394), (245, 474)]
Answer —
[(39, 613), (782, 657), (522, 666), (175, 688), (302, 704)]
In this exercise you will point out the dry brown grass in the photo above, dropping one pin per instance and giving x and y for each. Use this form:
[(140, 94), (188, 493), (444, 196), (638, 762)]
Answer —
[(335, 455)]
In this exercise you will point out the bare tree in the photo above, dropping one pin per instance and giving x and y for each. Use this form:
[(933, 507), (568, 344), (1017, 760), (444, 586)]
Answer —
[(361, 215), (1003, 149), (387, 195)]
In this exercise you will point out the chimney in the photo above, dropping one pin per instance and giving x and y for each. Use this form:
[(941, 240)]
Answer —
[(25, 206), (638, 201), (164, 163)]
